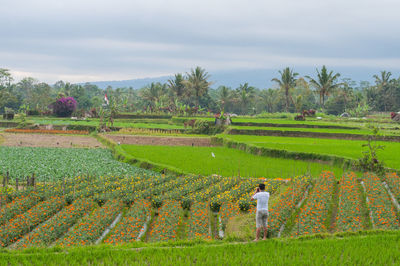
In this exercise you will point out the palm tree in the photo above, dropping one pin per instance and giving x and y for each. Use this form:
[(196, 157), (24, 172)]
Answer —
[(385, 95), (153, 93), (286, 82), (177, 86), (245, 94), (197, 82), (324, 84), (224, 96), (383, 80)]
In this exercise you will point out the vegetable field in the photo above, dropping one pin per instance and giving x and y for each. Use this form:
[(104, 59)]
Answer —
[(56, 163)]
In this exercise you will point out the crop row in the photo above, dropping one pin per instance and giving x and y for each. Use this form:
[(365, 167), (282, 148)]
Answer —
[(52, 229), (17, 206), (199, 222), (382, 210), (60, 163), (313, 215), (393, 181), (90, 228), (280, 212), (24, 223), (129, 228), (349, 215), (167, 222)]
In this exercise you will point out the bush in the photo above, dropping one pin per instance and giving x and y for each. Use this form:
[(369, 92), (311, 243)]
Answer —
[(186, 204), (64, 107), (206, 127)]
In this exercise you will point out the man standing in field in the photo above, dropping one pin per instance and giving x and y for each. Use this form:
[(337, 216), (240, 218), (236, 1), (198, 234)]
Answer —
[(262, 198)]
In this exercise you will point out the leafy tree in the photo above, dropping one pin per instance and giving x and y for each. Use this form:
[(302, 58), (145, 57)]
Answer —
[(286, 82), (64, 107), (324, 84)]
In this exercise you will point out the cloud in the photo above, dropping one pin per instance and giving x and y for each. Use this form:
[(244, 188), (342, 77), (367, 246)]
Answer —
[(123, 39)]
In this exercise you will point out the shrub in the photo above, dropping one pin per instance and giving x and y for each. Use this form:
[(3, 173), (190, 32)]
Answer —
[(64, 107)]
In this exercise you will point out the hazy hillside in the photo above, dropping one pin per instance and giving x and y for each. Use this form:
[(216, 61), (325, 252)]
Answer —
[(260, 78)]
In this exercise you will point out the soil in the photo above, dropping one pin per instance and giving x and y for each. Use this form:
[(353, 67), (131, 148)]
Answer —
[(162, 141), (49, 140)]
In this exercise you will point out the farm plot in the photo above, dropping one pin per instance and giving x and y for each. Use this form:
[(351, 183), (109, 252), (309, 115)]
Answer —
[(313, 217), (199, 222), (224, 161), (55, 163), (351, 149), (349, 215), (24, 223), (49, 140), (52, 229), (280, 212), (90, 228), (168, 141), (393, 181), (382, 211), (129, 228), (165, 226)]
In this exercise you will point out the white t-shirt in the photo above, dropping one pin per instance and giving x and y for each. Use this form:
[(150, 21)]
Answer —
[(262, 200)]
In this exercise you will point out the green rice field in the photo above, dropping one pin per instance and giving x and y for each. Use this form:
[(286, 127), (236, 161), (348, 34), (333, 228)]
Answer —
[(344, 148), (227, 162)]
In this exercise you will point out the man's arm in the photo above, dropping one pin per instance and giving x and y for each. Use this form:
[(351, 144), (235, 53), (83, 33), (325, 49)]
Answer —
[(255, 193)]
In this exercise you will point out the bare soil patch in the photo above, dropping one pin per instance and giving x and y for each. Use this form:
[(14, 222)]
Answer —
[(161, 141), (48, 140)]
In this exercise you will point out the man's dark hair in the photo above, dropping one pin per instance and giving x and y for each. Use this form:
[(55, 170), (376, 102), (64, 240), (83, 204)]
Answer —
[(262, 186)]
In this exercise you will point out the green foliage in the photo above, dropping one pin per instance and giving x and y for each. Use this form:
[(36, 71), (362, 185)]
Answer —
[(369, 162), (60, 163)]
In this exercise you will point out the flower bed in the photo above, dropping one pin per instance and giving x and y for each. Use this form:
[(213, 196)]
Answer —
[(283, 208), (47, 131), (199, 222), (90, 228), (379, 203), (129, 228), (313, 216), (24, 223), (166, 224), (52, 229), (393, 181), (19, 205), (227, 211), (349, 208)]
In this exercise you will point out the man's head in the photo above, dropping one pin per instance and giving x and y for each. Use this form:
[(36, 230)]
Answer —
[(262, 186)]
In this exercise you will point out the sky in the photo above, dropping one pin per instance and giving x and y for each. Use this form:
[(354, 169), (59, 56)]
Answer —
[(92, 40)]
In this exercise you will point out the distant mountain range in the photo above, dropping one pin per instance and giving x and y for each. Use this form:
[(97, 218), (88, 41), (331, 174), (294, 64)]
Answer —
[(260, 78)]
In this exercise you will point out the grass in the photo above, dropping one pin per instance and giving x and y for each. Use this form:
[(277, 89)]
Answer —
[(344, 148), (354, 249), (227, 162)]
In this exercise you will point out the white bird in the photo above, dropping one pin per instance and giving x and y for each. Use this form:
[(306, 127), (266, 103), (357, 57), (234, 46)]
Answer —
[(212, 154)]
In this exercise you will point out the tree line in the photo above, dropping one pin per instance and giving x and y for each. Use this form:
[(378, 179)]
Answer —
[(324, 91)]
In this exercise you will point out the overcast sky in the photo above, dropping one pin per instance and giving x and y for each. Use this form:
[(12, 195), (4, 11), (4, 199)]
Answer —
[(90, 40)]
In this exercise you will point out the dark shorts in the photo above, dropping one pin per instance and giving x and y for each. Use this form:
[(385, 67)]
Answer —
[(261, 218)]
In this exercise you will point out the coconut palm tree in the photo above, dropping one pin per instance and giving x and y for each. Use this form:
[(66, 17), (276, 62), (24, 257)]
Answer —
[(286, 82), (383, 80), (177, 86), (324, 84), (197, 82), (224, 96), (244, 94)]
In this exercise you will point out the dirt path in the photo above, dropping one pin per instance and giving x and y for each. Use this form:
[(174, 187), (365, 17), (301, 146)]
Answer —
[(49, 140), (167, 141)]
